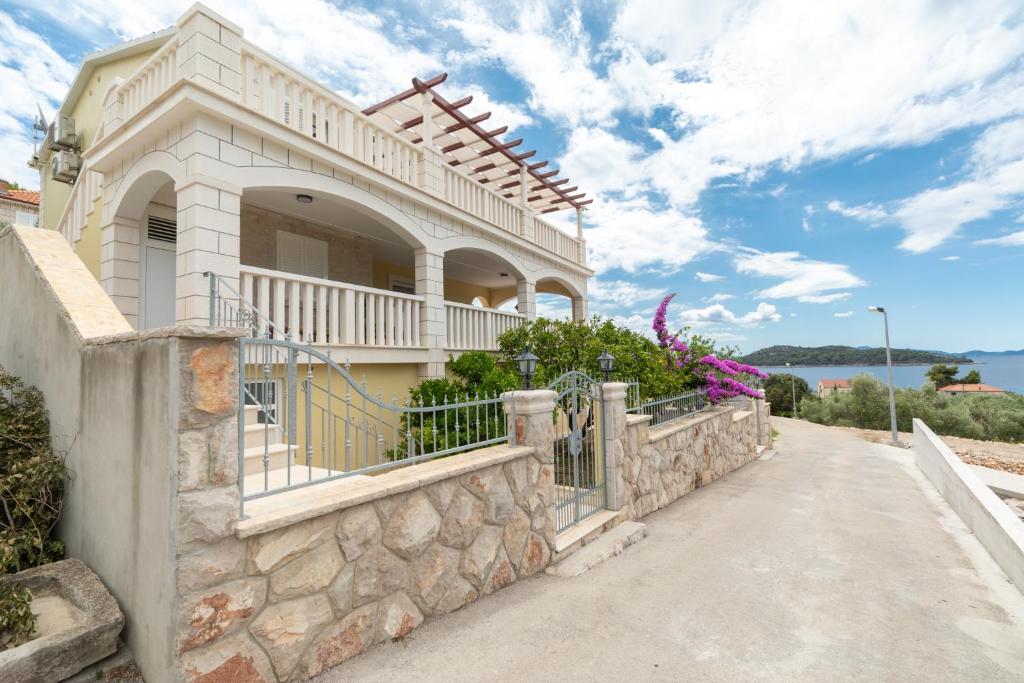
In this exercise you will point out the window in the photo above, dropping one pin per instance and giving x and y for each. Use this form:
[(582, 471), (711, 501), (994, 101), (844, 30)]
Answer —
[(401, 285), (301, 255)]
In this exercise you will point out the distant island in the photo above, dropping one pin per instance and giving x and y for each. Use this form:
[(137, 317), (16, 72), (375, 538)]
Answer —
[(846, 355)]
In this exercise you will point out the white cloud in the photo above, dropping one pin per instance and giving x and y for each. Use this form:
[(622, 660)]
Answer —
[(621, 292), (869, 213), (804, 279), (950, 258), (717, 314), (708, 277), (31, 73), (844, 314), (553, 307), (719, 298), (1013, 239), (600, 162), (502, 113)]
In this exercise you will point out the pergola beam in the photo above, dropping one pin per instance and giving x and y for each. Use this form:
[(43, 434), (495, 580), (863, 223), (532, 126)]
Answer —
[(418, 86)]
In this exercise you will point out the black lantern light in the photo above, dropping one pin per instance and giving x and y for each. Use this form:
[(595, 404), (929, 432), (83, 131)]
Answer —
[(527, 366), (607, 363)]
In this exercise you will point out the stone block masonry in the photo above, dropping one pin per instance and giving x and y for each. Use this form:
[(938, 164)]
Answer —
[(388, 553)]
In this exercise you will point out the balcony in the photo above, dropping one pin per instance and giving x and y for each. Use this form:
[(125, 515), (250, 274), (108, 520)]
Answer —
[(416, 139)]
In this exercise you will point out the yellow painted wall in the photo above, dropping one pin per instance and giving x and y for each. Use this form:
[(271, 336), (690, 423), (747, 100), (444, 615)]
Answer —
[(454, 290), (88, 114)]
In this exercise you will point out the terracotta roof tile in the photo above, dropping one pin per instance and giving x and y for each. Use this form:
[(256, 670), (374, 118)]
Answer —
[(23, 196), (973, 388)]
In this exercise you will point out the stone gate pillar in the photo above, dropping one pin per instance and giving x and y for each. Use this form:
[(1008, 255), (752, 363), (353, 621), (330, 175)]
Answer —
[(528, 414), (614, 442)]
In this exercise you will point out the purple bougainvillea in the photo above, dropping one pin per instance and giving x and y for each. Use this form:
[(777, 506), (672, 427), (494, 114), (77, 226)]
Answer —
[(718, 388)]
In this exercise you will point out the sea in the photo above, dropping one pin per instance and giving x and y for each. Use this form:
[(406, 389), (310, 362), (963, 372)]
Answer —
[(1005, 372)]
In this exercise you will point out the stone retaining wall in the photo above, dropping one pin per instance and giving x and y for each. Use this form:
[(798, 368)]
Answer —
[(659, 465), (304, 597)]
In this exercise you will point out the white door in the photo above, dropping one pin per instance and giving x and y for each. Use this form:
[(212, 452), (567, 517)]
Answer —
[(159, 258)]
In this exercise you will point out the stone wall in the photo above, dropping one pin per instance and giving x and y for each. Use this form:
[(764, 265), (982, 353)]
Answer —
[(370, 565), (659, 465)]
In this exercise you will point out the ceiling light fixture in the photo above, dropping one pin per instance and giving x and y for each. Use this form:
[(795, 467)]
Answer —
[(304, 199)]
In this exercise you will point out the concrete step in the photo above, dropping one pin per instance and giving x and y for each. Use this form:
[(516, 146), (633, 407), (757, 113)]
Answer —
[(611, 543), (278, 457), (254, 434), (252, 415)]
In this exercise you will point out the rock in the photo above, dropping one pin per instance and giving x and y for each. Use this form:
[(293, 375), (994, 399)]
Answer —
[(412, 527), (499, 506), (340, 641), (208, 515), (235, 659), (210, 564), (307, 573), (518, 478), (397, 617), (208, 615), (462, 520), (514, 537), (270, 550), (440, 494), (432, 573), (56, 656), (378, 572), (286, 629), (459, 593), (502, 573), (211, 388), (358, 529), (477, 560), (193, 459), (536, 556), (479, 483), (223, 460), (340, 590)]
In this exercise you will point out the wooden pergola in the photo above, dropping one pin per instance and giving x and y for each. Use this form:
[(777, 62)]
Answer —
[(420, 114)]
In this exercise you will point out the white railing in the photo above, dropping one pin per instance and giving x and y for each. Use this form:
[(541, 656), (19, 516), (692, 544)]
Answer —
[(481, 201), (551, 238), (81, 204), (282, 94), (327, 312), (472, 328), (149, 81)]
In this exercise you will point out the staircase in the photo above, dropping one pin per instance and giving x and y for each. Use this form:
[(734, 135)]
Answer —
[(259, 434)]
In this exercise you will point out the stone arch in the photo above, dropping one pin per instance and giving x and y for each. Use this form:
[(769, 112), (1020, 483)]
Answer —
[(470, 243), (571, 288), (141, 182), (332, 189)]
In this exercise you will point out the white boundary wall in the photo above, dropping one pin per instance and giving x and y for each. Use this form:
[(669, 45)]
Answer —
[(992, 522)]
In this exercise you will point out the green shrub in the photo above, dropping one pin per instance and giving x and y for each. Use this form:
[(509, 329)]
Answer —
[(17, 623), (32, 479), (866, 406)]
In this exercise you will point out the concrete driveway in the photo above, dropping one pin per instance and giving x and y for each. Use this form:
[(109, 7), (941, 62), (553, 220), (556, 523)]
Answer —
[(834, 559)]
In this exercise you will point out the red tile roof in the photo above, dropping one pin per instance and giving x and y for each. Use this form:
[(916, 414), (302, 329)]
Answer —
[(23, 196), (835, 383), (973, 388)]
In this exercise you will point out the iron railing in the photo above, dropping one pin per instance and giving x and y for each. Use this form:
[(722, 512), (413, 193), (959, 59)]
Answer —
[(579, 417), (228, 308), (669, 408), (304, 419)]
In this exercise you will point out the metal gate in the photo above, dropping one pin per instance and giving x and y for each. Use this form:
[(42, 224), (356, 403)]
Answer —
[(579, 448)]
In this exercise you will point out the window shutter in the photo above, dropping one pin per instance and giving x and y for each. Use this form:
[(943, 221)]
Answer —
[(289, 253), (315, 258), (162, 230)]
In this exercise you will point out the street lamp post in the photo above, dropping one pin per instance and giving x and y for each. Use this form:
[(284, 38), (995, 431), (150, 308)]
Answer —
[(888, 365), (792, 381)]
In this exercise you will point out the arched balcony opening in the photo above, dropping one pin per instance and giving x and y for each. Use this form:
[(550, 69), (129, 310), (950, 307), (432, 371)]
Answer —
[(473, 280)]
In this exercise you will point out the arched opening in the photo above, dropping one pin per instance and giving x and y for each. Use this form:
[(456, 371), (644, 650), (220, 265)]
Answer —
[(474, 275), (149, 210), (480, 302), (556, 300)]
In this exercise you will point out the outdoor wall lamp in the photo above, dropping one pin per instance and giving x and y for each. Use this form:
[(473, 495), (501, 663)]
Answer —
[(607, 363), (527, 366)]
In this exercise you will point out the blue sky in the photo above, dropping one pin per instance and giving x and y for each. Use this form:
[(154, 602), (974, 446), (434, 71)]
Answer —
[(779, 165)]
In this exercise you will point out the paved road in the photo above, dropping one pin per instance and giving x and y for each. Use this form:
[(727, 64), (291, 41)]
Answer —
[(834, 559)]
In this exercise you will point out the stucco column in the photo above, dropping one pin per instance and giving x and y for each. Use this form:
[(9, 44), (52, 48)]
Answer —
[(579, 308), (208, 240), (614, 394), (527, 295), (119, 265), (430, 285), (528, 415)]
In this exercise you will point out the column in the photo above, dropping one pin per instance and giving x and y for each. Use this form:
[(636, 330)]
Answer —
[(119, 265), (208, 240), (614, 394), (579, 304), (209, 51), (430, 285), (526, 229), (527, 303), (581, 256)]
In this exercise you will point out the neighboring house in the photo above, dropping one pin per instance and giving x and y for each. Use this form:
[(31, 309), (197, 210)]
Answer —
[(18, 207), (972, 389), (830, 386), (370, 232)]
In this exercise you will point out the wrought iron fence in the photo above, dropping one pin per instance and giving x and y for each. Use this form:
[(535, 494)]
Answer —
[(303, 419), (669, 408), (228, 308), (579, 460)]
